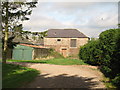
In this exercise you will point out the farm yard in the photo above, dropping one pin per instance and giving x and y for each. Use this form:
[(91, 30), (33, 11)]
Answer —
[(67, 75)]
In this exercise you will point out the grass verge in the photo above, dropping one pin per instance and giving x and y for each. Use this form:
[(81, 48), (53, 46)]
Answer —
[(15, 76), (108, 83), (58, 61)]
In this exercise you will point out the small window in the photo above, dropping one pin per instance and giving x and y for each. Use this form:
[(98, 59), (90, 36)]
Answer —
[(64, 48), (58, 39), (73, 43)]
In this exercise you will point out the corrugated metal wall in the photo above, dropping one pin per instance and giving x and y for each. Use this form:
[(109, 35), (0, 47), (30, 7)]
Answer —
[(22, 53)]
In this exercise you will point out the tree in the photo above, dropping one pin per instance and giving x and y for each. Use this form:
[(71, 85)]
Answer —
[(13, 13), (38, 35), (43, 34)]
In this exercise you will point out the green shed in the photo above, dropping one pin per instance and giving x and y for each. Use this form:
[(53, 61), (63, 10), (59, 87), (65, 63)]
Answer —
[(29, 52)]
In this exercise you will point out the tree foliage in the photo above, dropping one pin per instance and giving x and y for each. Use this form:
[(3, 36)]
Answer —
[(104, 52), (13, 13), (16, 12)]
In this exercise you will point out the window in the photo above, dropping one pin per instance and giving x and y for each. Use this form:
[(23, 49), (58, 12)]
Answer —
[(64, 48), (73, 43), (58, 39)]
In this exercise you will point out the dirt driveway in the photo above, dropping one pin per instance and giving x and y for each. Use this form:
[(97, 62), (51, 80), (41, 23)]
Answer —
[(65, 76)]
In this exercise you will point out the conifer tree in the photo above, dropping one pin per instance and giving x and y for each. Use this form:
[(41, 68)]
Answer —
[(13, 13)]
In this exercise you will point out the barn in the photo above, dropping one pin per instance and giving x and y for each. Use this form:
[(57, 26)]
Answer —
[(65, 41)]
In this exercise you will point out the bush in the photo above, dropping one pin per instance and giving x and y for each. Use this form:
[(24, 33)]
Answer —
[(55, 54), (116, 81), (91, 53), (106, 70), (110, 45), (104, 52)]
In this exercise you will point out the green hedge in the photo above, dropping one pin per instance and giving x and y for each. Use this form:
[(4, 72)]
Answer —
[(104, 52), (86, 53)]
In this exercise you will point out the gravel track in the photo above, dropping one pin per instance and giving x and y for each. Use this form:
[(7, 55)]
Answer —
[(65, 76)]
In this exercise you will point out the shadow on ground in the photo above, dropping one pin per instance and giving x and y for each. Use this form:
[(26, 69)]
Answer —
[(62, 81)]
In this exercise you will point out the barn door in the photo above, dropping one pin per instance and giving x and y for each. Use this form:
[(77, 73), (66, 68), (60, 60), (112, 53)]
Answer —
[(64, 52), (27, 54), (22, 54), (17, 54)]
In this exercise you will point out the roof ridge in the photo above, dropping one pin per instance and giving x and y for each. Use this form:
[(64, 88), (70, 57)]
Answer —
[(70, 33), (63, 29)]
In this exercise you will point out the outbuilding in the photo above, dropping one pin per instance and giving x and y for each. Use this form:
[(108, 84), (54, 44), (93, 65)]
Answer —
[(30, 52)]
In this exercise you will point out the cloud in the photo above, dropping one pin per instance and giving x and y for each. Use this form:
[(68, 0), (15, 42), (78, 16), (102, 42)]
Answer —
[(89, 17)]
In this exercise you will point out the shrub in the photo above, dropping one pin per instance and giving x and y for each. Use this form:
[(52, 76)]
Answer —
[(106, 70), (91, 53), (116, 81), (104, 52), (55, 54), (110, 44)]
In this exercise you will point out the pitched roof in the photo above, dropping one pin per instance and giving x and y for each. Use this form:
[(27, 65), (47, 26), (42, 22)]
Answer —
[(65, 33), (35, 46)]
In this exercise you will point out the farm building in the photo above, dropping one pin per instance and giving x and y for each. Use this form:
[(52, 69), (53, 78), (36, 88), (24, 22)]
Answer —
[(65, 41), (29, 52)]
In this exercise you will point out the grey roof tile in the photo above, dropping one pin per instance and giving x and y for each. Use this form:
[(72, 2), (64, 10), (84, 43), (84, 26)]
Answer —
[(65, 33)]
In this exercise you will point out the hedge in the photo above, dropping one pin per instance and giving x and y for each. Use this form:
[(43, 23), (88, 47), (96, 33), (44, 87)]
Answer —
[(105, 52)]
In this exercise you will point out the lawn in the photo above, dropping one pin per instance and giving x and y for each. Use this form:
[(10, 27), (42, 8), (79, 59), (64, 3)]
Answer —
[(57, 61), (15, 76)]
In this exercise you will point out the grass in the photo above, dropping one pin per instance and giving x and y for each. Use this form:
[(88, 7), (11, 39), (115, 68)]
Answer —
[(15, 76), (56, 54), (57, 61), (108, 83)]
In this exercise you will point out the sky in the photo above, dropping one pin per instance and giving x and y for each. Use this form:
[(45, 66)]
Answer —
[(91, 18)]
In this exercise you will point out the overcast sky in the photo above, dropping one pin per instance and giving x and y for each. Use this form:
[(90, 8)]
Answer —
[(91, 18)]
